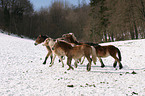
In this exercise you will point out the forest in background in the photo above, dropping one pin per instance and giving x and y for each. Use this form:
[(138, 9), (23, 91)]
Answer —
[(99, 21)]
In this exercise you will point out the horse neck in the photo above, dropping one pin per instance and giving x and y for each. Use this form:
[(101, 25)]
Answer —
[(51, 42), (44, 37), (71, 40), (64, 45), (97, 46)]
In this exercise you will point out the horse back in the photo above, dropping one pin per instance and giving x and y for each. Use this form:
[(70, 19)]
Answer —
[(79, 50), (102, 51), (112, 49), (64, 45)]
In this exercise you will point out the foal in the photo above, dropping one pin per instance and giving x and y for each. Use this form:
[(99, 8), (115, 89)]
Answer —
[(41, 39), (75, 52)]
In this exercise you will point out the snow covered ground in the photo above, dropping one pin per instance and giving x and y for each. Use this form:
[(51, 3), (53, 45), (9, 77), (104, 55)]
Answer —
[(23, 74)]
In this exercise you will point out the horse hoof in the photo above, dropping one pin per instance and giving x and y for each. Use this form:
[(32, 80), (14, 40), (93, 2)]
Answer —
[(75, 66), (120, 67), (88, 69), (102, 66), (44, 63), (68, 69), (50, 65), (114, 65)]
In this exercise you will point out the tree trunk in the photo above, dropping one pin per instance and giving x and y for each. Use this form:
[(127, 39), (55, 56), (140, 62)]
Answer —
[(112, 37), (132, 33), (135, 29), (105, 34)]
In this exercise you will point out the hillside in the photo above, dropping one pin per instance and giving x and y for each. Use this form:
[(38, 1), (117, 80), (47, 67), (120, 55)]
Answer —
[(23, 74)]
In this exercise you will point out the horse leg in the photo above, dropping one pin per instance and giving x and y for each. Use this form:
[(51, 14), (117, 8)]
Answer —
[(45, 60), (120, 66), (46, 57), (89, 64), (83, 61), (101, 61), (75, 64), (61, 60), (53, 60), (115, 64), (117, 60), (69, 63), (51, 57)]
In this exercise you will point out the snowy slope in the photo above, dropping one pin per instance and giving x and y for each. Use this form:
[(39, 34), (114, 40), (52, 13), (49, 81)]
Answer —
[(23, 74)]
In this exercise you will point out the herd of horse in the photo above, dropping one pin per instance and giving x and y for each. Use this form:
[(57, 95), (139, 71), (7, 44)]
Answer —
[(70, 47)]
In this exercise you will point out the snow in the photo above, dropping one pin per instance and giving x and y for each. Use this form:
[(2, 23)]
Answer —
[(23, 74)]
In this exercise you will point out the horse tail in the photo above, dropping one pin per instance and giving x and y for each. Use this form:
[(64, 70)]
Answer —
[(119, 54), (94, 54)]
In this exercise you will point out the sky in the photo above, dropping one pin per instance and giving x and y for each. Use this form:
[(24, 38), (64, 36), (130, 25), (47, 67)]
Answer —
[(37, 4)]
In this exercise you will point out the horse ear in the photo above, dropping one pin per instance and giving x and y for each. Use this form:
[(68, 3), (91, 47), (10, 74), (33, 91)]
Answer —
[(41, 35), (47, 36), (57, 41), (71, 33)]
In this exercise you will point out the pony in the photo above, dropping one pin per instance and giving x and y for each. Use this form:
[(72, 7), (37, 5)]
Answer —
[(75, 52), (72, 39), (109, 50), (101, 51), (60, 53), (39, 40)]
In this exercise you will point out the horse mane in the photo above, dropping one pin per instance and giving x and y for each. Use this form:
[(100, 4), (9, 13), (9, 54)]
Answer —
[(64, 44), (74, 39), (92, 44), (44, 36)]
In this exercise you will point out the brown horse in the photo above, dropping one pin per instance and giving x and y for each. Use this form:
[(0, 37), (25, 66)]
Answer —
[(110, 50), (72, 39), (101, 51), (39, 40), (75, 52)]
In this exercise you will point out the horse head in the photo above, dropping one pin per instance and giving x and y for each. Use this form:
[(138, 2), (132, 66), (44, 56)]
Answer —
[(69, 38), (40, 39)]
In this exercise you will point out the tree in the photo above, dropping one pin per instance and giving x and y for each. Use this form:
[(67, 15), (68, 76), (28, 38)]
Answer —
[(100, 17)]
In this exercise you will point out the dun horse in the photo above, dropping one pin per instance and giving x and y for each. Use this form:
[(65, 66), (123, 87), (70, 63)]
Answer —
[(41, 39), (101, 51), (75, 52), (60, 53)]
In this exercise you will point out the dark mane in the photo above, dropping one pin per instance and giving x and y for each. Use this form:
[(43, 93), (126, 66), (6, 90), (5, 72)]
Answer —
[(44, 37), (64, 45), (92, 44)]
